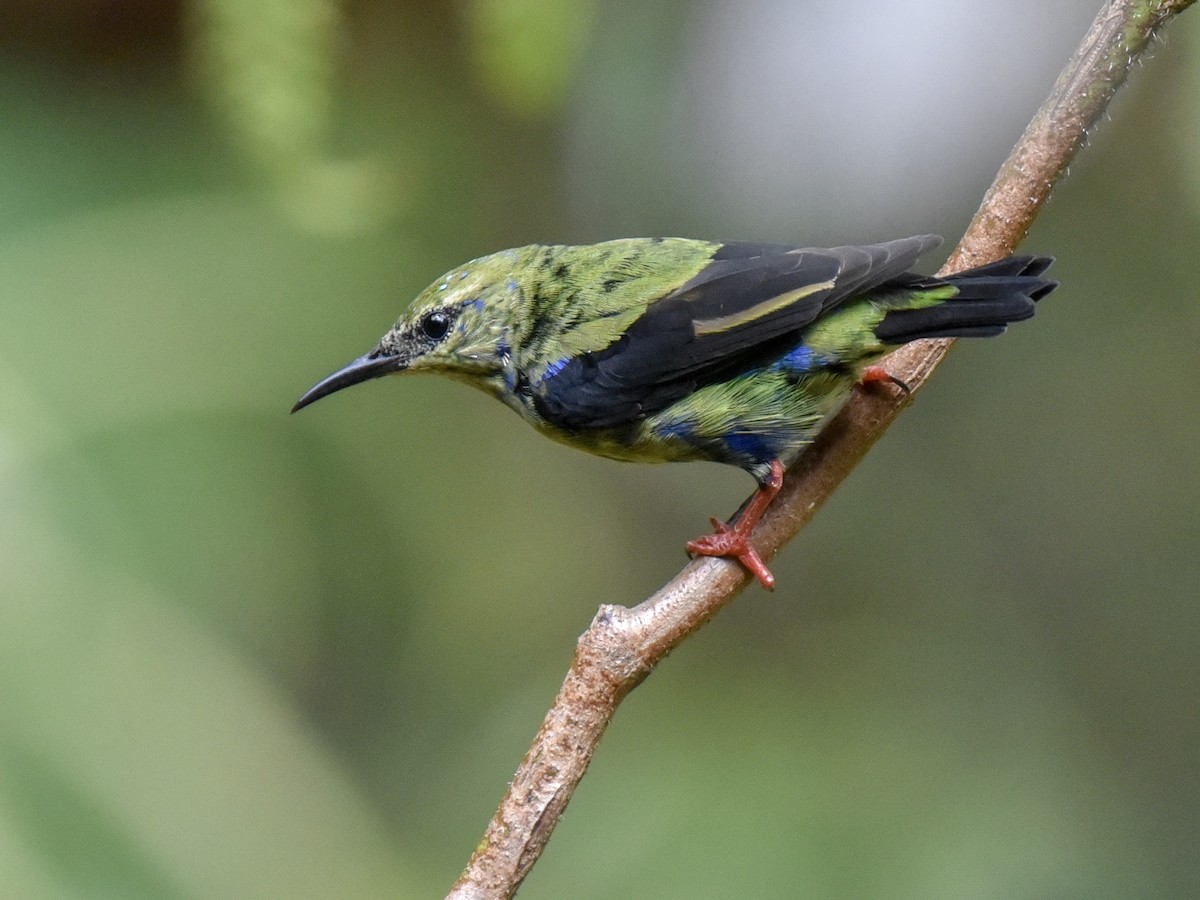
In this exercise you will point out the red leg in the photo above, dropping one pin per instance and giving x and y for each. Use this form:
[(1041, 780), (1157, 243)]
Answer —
[(880, 375), (734, 540)]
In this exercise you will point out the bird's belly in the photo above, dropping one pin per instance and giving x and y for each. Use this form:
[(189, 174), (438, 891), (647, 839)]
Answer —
[(746, 422), (633, 443)]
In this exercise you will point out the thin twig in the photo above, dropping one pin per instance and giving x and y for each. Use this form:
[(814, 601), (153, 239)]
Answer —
[(622, 646)]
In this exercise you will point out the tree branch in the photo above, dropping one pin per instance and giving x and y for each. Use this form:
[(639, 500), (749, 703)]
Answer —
[(622, 646)]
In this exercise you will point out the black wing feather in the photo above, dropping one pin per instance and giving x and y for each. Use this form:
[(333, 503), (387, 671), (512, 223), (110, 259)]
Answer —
[(707, 329)]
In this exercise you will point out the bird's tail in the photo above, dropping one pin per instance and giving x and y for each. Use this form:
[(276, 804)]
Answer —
[(987, 299)]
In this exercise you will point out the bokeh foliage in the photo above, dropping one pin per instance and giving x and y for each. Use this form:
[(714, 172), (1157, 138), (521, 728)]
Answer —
[(249, 655)]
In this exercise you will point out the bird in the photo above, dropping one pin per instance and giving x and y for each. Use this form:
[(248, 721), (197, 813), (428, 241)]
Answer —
[(675, 349)]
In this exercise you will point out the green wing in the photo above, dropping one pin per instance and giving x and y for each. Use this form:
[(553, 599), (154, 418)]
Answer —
[(749, 303)]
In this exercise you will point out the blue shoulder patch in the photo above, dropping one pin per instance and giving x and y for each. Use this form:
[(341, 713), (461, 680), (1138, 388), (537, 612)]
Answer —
[(553, 368), (802, 359)]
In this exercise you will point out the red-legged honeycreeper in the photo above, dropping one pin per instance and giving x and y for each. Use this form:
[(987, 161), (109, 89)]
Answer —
[(665, 349)]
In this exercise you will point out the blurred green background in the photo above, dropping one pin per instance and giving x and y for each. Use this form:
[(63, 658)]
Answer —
[(244, 654)]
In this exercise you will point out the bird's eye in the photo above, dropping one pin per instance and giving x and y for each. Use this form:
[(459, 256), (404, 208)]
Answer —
[(436, 324)]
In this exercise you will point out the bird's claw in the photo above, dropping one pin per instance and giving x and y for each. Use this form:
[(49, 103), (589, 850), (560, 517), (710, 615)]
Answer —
[(880, 375), (731, 543)]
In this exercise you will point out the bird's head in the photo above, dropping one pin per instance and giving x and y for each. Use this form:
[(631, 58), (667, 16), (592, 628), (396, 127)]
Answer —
[(458, 326)]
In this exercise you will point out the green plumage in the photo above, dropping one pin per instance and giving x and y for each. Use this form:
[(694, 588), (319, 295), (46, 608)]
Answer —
[(659, 350)]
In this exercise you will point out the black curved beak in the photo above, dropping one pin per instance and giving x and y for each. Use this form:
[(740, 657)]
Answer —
[(362, 369)]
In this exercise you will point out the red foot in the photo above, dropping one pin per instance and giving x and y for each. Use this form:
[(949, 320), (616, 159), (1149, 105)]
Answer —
[(880, 375), (733, 541), (729, 543)]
